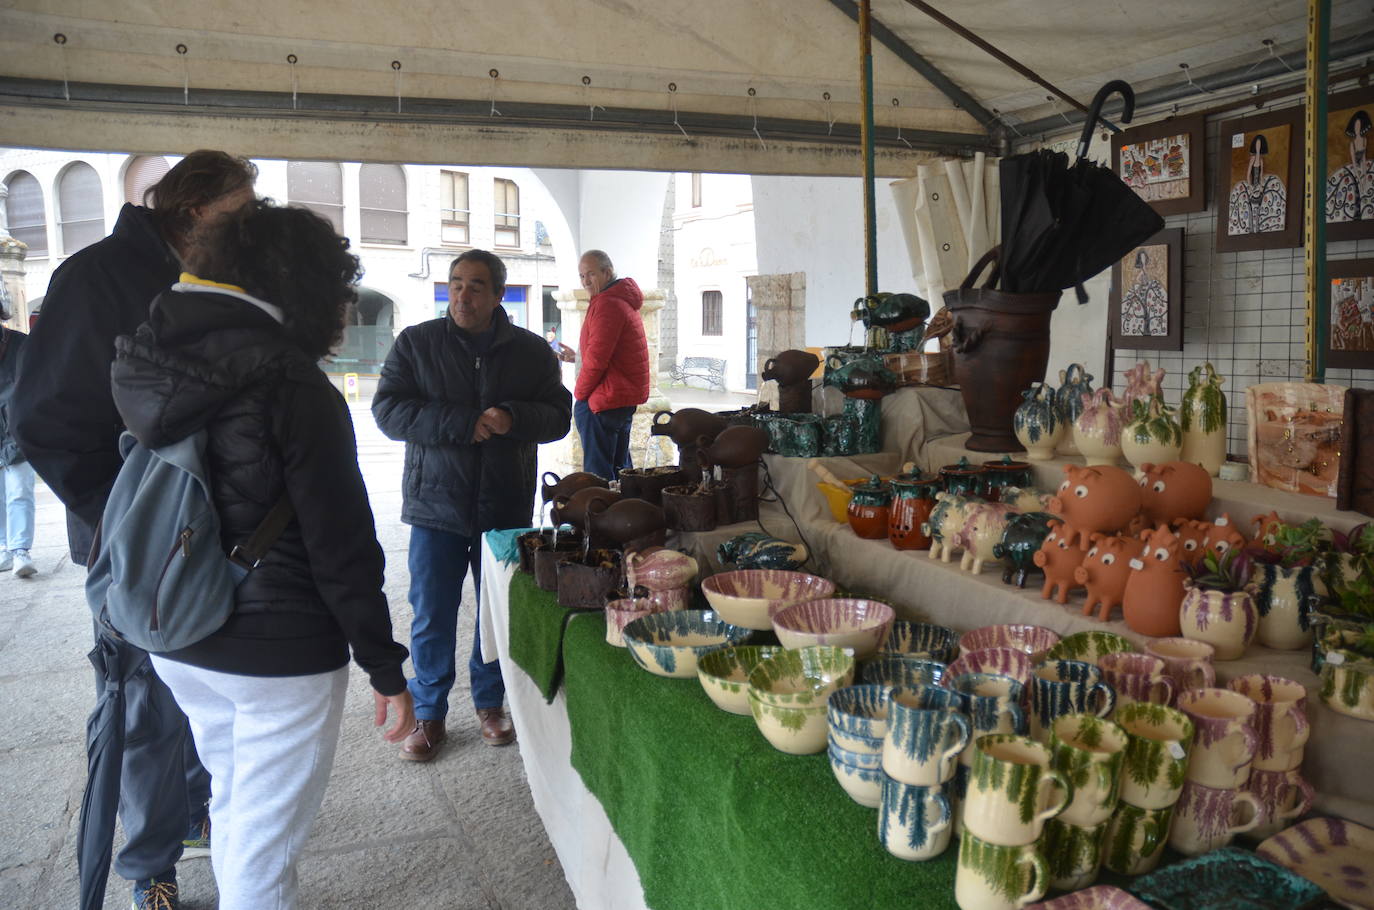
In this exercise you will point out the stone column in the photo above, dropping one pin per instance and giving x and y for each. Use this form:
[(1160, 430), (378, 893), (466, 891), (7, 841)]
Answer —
[(780, 304)]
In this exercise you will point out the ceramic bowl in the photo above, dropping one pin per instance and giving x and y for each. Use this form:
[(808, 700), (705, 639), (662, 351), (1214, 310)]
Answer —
[(868, 760), (1001, 661), (863, 784), (844, 622), (802, 678), (724, 674), (858, 716), (920, 639), (902, 671), (625, 610), (746, 597), (1033, 640), (668, 644), (1228, 877), (1089, 646), (794, 730)]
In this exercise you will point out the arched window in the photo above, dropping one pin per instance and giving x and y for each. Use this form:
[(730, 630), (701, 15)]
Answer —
[(80, 210), (318, 186), (382, 194), (142, 173), (24, 212)]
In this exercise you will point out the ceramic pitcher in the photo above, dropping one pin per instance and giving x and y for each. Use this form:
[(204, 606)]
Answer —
[(1152, 437), (1284, 600), (1202, 417), (1068, 401), (1097, 431), (1036, 422), (1226, 620)]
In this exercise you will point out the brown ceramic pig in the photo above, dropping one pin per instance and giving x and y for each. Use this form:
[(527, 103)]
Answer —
[(1192, 538), (1223, 535), (1098, 499), (1154, 589), (1104, 572), (1059, 556), (1173, 490)]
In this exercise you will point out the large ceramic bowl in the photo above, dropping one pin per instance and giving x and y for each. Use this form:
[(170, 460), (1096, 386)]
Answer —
[(668, 644), (724, 674), (802, 678), (920, 639), (902, 671), (1033, 640), (844, 622), (858, 717), (625, 610), (747, 597), (1002, 661), (794, 730), (1089, 646), (861, 776)]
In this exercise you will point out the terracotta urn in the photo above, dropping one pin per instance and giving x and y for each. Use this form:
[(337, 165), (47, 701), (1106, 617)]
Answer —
[(1153, 437), (1285, 601), (1172, 492), (1226, 620), (1154, 590), (685, 425), (913, 499), (1202, 417), (733, 447), (869, 509), (1068, 401), (1036, 422), (574, 509), (566, 486), (1097, 431)]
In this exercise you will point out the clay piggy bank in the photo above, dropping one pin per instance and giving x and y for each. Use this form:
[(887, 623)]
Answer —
[(1096, 500), (946, 519), (1058, 557), (1265, 526), (1025, 499), (1104, 572), (1154, 590), (1192, 538), (1024, 535), (1223, 535), (1172, 491), (984, 523)]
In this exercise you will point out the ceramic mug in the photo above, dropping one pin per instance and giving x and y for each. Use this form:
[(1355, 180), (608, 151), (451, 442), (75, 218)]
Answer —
[(993, 705), (1207, 818), (1282, 796), (1137, 677), (925, 734), (914, 822), (995, 877), (1060, 687), (1012, 790), (1090, 753), (1226, 741), (1280, 719), (1135, 839), (1073, 852), (1187, 661), (1158, 742)]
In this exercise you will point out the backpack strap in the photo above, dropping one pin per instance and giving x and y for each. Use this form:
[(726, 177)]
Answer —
[(249, 553)]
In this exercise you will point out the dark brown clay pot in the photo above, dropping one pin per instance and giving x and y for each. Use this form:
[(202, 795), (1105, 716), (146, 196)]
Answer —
[(794, 398), (573, 509), (584, 583), (624, 520), (687, 508), (544, 560), (648, 483), (1001, 345), (791, 367), (567, 486), (687, 425), (740, 488), (733, 447)]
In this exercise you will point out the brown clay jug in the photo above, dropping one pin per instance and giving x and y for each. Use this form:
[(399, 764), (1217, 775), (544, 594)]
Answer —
[(686, 425), (733, 447), (573, 509), (791, 367), (567, 486), (625, 520)]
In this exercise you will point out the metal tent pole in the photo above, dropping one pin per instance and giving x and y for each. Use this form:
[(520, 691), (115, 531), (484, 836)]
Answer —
[(866, 138), (1314, 231)]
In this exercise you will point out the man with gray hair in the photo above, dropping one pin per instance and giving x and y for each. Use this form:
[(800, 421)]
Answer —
[(613, 373)]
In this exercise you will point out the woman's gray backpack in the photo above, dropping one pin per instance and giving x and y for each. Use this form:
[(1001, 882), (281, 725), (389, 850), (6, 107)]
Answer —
[(159, 576)]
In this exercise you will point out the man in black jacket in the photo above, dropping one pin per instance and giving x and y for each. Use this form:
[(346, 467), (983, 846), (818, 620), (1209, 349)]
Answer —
[(64, 418), (472, 396)]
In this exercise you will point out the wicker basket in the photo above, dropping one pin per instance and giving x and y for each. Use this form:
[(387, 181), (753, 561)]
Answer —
[(927, 367)]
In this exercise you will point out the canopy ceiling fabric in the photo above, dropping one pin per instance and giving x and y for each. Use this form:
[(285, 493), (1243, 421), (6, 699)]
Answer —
[(616, 54)]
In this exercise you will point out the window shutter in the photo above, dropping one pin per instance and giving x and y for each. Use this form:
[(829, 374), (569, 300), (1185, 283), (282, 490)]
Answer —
[(80, 207)]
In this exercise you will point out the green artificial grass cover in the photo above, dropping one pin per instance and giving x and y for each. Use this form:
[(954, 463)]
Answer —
[(536, 632), (713, 816)]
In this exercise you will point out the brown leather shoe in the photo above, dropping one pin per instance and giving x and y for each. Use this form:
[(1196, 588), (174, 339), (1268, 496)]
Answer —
[(423, 742), (496, 727)]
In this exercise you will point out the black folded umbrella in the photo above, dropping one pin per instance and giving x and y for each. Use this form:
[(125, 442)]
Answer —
[(116, 664)]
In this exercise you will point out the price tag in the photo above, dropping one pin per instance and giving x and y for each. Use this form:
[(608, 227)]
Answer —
[(1237, 140), (1177, 751), (1136, 564), (1335, 658)]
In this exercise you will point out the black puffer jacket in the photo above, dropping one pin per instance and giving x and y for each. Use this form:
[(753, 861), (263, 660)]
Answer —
[(11, 347), (434, 386), (209, 359)]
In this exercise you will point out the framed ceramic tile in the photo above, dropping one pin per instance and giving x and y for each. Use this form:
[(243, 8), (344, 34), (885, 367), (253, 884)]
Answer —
[(1349, 166), (1163, 163), (1145, 310), (1259, 189), (1350, 314)]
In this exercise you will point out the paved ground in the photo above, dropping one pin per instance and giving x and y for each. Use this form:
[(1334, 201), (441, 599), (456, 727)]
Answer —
[(459, 832)]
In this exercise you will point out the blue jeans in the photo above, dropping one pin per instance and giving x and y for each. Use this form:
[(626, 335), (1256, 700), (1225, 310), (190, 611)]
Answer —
[(16, 523), (439, 562), (605, 439)]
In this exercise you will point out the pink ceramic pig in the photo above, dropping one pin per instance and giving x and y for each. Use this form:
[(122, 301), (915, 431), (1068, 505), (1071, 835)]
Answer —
[(945, 522), (1059, 556), (1154, 589), (1173, 490), (984, 523), (1096, 500), (1104, 572)]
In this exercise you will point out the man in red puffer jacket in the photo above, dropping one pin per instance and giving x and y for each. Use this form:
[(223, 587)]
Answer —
[(613, 377)]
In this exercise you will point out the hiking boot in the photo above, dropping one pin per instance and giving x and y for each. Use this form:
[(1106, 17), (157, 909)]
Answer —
[(157, 893), (197, 841), (496, 727), (423, 742), (23, 565)]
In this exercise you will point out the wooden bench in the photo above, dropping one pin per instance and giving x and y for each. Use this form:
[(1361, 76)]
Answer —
[(709, 369)]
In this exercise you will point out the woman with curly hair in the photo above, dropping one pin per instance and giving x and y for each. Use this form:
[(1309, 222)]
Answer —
[(234, 349)]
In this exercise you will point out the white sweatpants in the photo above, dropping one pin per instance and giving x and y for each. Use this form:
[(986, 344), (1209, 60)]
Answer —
[(268, 743)]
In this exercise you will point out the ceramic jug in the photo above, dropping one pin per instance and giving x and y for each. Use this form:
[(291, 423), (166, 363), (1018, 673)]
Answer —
[(733, 447), (625, 520), (790, 367), (1202, 417), (1036, 422), (567, 486), (1097, 431), (1226, 620), (1284, 601), (685, 425), (1068, 401), (1154, 436), (1141, 386)]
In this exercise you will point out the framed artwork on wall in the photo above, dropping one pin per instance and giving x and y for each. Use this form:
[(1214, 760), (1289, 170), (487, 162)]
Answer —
[(1164, 163), (1146, 306), (1259, 182), (1349, 167), (1350, 314)]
